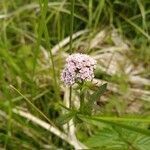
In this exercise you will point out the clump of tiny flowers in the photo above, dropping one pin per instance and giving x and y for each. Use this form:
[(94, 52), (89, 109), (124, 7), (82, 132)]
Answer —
[(78, 68)]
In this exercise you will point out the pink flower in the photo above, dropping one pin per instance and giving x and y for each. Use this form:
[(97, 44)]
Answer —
[(78, 68)]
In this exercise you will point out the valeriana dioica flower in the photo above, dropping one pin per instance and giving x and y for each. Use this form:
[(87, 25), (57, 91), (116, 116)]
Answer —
[(78, 68)]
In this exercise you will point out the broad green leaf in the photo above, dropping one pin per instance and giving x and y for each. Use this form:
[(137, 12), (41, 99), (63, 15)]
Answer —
[(99, 92), (114, 123), (94, 97), (143, 143), (66, 117), (106, 139), (114, 138), (124, 119)]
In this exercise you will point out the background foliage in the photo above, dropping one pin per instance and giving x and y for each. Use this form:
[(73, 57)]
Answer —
[(31, 62)]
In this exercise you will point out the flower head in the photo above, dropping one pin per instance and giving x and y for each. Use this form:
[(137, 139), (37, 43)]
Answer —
[(78, 68)]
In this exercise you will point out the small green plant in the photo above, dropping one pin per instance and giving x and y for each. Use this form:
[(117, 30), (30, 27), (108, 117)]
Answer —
[(79, 70), (106, 109)]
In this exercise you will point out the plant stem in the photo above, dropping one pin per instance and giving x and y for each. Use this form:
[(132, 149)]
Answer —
[(40, 33), (47, 38), (71, 50), (81, 97), (37, 109), (70, 95), (52, 62), (90, 13), (71, 24)]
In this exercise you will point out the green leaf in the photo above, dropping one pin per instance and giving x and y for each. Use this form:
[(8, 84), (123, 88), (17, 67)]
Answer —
[(138, 28), (99, 92), (124, 119), (114, 138), (63, 106), (143, 143), (66, 117), (94, 97), (118, 124), (106, 139)]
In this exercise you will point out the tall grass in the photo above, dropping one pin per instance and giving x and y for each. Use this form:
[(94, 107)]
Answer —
[(29, 31), (70, 45)]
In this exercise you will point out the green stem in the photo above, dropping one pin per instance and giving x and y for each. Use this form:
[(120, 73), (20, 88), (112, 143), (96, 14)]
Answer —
[(90, 13), (71, 50), (28, 101), (81, 97), (40, 33), (71, 24), (47, 38), (70, 95), (9, 123), (81, 102), (52, 62)]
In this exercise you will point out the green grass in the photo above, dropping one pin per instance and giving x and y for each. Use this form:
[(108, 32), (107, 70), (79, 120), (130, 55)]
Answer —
[(29, 31)]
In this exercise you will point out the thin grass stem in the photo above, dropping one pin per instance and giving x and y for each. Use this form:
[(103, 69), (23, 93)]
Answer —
[(71, 50), (47, 39), (71, 24), (28, 101), (90, 13)]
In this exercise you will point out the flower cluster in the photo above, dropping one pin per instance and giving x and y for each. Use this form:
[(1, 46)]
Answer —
[(78, 68)]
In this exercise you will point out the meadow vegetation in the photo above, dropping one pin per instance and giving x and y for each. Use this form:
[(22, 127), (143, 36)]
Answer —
[(36, 36)]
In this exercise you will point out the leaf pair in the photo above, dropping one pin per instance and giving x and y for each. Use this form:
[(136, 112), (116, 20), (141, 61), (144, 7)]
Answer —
[(87, 106), (91, 99)]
